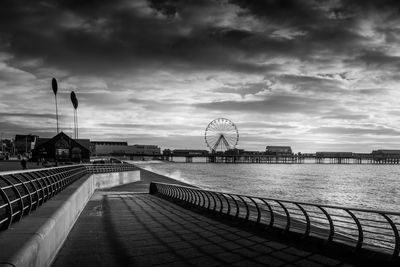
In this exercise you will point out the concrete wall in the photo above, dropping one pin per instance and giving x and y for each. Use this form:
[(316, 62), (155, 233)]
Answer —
[(36, 239), (104, 180)]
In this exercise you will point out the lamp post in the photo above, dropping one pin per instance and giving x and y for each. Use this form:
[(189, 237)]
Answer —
[(55, 88), (74, 101)]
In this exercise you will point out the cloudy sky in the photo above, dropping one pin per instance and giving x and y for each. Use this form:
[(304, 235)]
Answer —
[(316, 75)]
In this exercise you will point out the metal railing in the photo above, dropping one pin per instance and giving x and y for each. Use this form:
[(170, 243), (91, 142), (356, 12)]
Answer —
[(104, 168), (375, 230), (24, 191)]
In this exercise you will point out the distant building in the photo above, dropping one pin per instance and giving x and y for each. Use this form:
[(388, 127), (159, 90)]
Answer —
[(278, 150), (143, 150), (189, 152), (235, 151), (7, 146), (62, 148), (384, 153), (122, 148), (23, 144), (107, 147)]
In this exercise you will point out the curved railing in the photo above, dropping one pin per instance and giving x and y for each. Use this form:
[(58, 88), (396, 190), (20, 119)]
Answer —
[(361, 228), (24, 191), (103, 168)]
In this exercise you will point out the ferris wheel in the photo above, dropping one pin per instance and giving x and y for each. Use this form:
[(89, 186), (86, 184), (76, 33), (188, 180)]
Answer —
[(221, 134)]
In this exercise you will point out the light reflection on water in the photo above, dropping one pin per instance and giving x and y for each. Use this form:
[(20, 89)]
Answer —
[(366, 186)]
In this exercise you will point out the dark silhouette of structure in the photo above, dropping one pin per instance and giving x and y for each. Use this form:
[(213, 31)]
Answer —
[(62, 148)]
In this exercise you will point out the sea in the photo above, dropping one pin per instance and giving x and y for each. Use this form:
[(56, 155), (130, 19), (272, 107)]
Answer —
[(350, 185)]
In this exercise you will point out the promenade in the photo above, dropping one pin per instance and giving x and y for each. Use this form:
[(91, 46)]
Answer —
[(126, 226)]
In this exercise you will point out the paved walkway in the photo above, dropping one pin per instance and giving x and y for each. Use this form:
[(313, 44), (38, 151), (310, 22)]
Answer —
[(138, 229)]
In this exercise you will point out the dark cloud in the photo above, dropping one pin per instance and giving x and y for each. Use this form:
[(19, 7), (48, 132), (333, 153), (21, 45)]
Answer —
[(147, 61), (355, 131), (172, 34), (245, 89), (379, 59), (312, 83), (371, 91), (274, 104), (29, 115), (10, 129), (151, 127), (264, 125), (344, 114)]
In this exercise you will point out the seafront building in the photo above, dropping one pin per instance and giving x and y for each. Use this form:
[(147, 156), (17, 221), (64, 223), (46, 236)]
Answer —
[(278, 150), (107, 147), (101, 148), (61, 148), (23, 144)]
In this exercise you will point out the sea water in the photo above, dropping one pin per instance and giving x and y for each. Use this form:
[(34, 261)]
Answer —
[(363, 186)]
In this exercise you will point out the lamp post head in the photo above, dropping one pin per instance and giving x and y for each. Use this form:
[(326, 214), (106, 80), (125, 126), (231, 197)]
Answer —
[(74, 100), (54, 85)]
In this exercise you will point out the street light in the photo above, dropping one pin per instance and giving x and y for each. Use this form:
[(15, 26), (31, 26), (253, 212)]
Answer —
[(74, 101), (55, 88)]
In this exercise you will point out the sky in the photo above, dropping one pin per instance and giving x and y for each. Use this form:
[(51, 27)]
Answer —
[(315, 75)]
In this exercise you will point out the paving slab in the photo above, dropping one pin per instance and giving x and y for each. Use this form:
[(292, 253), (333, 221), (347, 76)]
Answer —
[(118, 228)]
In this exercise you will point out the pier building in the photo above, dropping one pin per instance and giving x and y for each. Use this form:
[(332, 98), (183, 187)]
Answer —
[(385, 156), (278, 150), (143, 150)]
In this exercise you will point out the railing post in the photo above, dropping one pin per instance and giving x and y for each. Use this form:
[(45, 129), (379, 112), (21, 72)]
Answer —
[(331, 225), (153, 188), (287, 215), (359, 228), (236, 205), (247, 207), (271, 213), (220, 201), (307, 231), (396, 248), (227, 202), (258, 210)]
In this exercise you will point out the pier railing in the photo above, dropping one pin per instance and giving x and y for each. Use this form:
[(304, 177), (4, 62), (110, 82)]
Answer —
[(375, 230), (21, 192)]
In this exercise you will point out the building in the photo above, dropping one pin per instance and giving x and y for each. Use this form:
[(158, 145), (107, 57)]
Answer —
[(386, 153), (108, 147), (62, 148), (235, 152), (189, 152), (7, 146), (143, 150), (122, 148), (279, 150), (23, 144)]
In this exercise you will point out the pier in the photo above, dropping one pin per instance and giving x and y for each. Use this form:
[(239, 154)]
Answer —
[(113, 215), (264, 158), (355, 158)]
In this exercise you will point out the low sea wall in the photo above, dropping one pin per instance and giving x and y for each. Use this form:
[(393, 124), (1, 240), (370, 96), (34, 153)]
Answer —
[(104, 180), (36, 240)]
